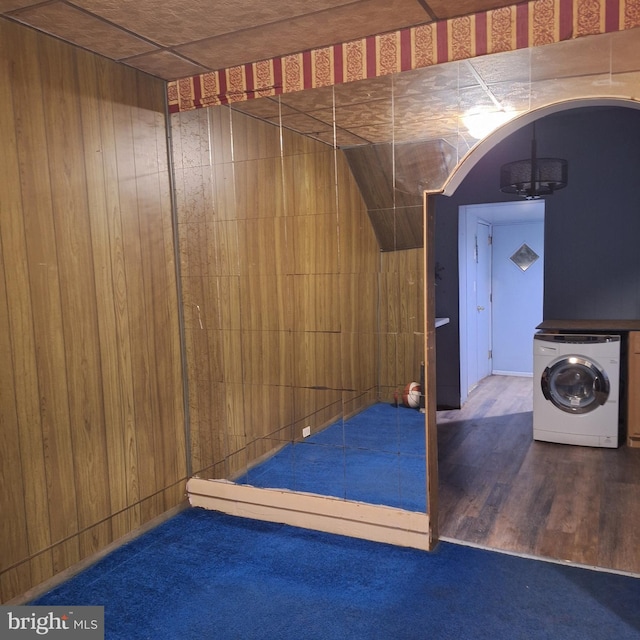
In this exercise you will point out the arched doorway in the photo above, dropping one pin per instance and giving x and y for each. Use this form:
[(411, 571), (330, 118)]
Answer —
[(461, 171), (590, 213)]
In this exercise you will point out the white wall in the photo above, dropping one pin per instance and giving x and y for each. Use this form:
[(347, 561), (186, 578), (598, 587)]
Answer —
[(517, 297), (520, 308)]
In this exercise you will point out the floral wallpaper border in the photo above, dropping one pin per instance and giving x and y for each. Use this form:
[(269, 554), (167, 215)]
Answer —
[(518, 26)]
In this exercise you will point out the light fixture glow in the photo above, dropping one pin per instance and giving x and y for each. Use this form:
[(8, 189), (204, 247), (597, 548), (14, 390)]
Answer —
[(480, 122)]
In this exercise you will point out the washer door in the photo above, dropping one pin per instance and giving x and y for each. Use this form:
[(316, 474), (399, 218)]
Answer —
[(575, 384)]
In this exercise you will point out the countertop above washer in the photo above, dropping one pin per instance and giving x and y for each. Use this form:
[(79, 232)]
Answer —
[(590, 325)]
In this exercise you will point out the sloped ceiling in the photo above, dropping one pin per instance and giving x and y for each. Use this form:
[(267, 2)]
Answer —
[(181, 38)]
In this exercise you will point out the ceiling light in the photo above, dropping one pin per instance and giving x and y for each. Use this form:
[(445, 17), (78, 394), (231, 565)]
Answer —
[(534, 177), (481, 122)]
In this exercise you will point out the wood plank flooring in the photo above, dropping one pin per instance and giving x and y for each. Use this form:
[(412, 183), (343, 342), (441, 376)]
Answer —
[(500, 489)]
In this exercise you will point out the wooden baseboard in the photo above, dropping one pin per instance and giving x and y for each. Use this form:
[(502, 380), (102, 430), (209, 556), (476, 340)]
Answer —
[(310, 511), (85, 563)]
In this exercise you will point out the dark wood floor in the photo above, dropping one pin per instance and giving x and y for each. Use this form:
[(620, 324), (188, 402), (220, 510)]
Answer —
[(500, 489)]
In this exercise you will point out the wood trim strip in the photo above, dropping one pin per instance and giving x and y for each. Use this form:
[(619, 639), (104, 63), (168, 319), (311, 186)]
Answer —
[(509, 28), (431, 425), (310, 511)]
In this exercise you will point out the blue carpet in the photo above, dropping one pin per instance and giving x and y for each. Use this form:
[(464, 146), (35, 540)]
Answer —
[(205, 575), (377, 456)]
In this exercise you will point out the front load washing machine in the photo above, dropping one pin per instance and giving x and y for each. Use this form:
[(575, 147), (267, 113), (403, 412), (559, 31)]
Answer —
[(576, 380)]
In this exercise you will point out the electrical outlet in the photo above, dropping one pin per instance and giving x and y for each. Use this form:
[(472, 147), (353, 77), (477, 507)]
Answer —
[(306, 432)]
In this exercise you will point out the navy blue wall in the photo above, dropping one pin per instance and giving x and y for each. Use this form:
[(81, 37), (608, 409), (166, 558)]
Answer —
[(592, 227)]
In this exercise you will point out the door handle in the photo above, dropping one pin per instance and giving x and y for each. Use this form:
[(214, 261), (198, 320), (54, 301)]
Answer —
[(480, 308)]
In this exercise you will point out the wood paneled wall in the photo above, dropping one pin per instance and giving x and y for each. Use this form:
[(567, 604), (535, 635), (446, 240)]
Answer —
[(92, 439), (289, 307), (401, 319), (280, 271)]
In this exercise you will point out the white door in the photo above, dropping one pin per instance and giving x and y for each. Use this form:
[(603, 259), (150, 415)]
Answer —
[(518, 273), (483, 299), (473, 346)]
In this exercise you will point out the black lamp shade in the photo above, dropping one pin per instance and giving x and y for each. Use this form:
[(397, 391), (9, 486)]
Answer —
[(534, 177)]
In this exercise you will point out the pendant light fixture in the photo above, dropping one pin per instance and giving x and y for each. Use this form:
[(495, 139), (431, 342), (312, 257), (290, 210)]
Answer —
[(534, 177)]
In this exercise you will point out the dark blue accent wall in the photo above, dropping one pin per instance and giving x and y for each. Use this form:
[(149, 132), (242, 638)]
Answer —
[(592, 227)]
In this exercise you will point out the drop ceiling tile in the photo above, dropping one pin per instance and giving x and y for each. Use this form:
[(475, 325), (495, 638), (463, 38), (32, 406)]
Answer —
[(232, 50), (438, 103), (77, 27), (554, 90), (427, 80), (361, 91), (312, 99), (306, 123), (11, 5), (350, 98), (443, 9), (507, 66), (378, 113), (349, 139), (264, 108), (584, 56), (314, 30), (432, 129), (165, 65), (625, 51), (182, 21), (375, 133), (473, 97), (513, 96)]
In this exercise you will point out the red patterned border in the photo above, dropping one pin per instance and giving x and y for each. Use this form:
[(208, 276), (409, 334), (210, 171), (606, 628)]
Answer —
[(533, 24)]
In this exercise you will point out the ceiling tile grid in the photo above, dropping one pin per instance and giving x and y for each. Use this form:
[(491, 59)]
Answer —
[(165, 38)]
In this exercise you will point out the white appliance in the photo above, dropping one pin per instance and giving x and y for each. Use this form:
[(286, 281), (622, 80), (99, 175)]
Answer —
[(576, 388)]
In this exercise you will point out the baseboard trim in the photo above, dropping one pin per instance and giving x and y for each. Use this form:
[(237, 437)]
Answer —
[(85, 563), (310, 511), (515, 374)]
